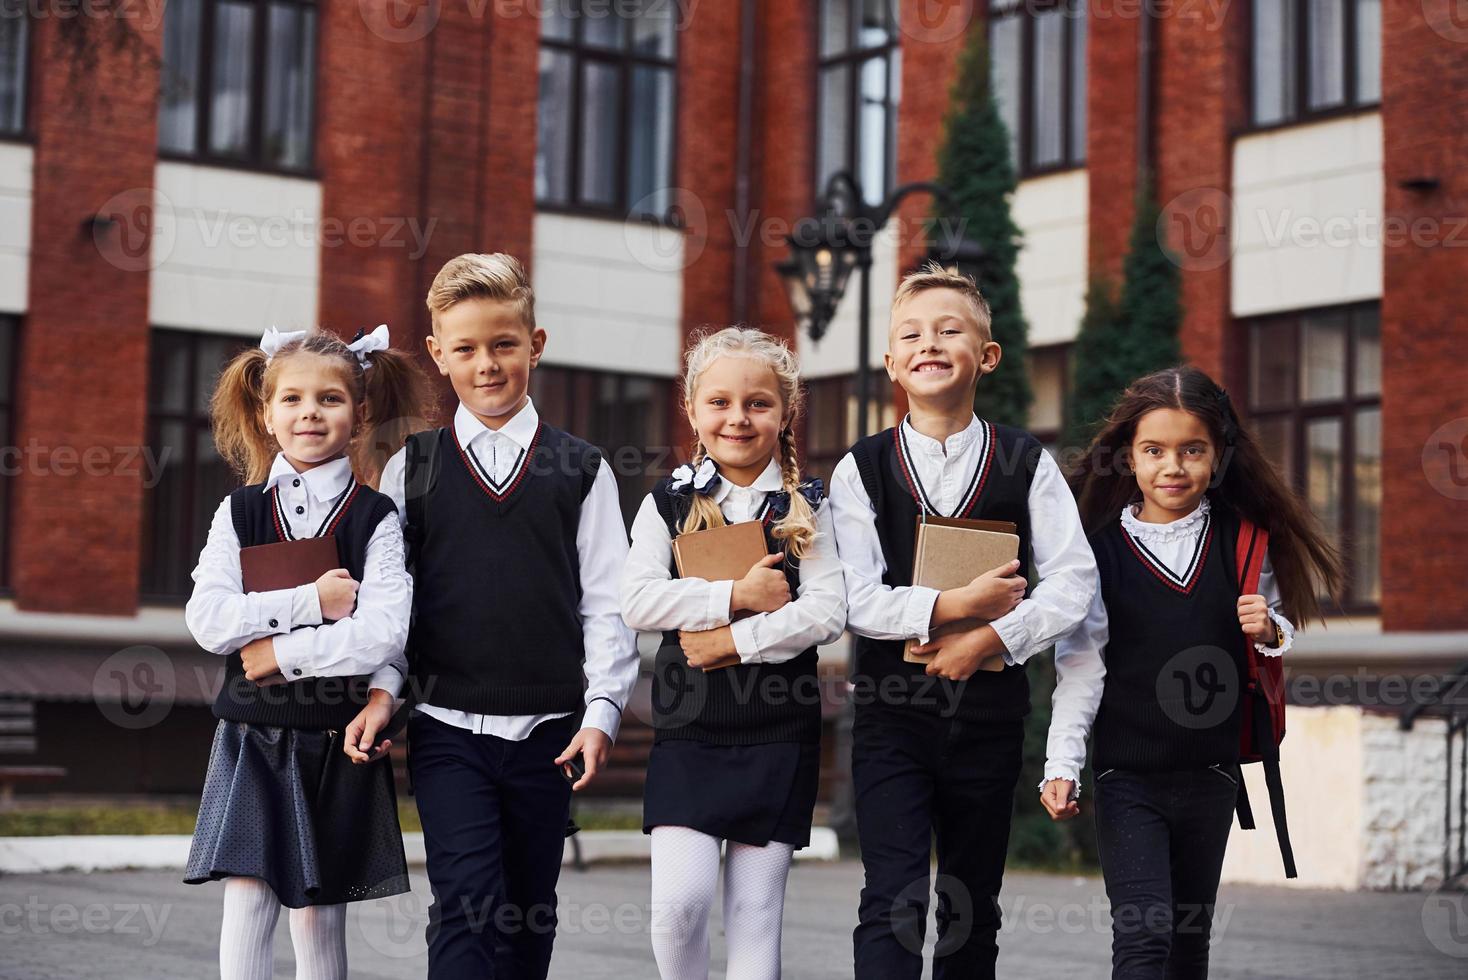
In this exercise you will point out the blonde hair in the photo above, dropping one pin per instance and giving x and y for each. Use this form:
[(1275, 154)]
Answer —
[(933, 276), (474, 275), (390, 401), (797, 529)]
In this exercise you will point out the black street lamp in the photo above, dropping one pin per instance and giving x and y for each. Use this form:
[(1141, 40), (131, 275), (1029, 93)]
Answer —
[(825, 249)]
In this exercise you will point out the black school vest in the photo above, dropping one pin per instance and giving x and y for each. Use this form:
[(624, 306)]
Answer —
[(316, 702), (496, 577), (745, 704), (999, 491), (1174, 657)]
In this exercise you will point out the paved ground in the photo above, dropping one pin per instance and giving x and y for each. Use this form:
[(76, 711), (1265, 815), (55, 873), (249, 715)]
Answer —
[(148, 926)]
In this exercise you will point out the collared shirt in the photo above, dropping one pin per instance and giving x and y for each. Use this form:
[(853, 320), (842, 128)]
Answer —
[(223, 617), (946, 470), (601, 546), (652, 599), (1174, 544)]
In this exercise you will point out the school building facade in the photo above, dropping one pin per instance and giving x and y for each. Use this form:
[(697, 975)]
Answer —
[(177, 178)]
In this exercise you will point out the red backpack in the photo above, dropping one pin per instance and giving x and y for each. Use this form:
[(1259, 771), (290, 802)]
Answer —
[(1263, 725)]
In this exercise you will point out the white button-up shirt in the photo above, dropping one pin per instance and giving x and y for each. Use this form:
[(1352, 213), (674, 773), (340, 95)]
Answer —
[(223, 617), (652, 599), (601, 548)]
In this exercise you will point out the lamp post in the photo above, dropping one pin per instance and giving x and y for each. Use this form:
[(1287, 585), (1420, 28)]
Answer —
[(826, 248)]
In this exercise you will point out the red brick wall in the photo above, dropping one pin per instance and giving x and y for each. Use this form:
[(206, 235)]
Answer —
[(1424, 332), (84, 351), (1111, 140)]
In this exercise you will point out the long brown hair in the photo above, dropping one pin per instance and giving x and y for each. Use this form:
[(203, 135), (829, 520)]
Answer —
[(389, 401), (1305, 563)]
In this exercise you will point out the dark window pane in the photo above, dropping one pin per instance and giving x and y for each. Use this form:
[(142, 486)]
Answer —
[(1323, 467), (1272, 365), (1078, 83), (652, 30), (876, 26), (1322, 356), (602, 27), (163, 535), (1274, 437), (7, 363), (835, 121), (650, 147), (178, 96), (601, 100), (210, 356), (1327, 36), (290, 85), (234, 44), (1005, 37), (1047, 107), (1367, 324), (871, 165), (1274, 60), (12, 69), (835, 27), (1368, 50), (556, 21), (1366, 534), (553, 143), (168, 381)]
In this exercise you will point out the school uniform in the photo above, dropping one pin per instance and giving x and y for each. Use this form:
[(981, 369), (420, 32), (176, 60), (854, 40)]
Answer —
[(1165, 748), (736, 751), (281, 800), (933, 757), (516, 542)]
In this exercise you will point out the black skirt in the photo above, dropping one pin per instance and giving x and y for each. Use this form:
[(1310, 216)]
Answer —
[(287, 806), (750, 794)]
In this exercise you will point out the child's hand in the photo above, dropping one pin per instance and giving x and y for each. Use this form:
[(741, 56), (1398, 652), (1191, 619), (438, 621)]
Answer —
[(594, 747), (958, 656), (258, 658), (764, 589), (1056, 798), (996, 592), (362, 732), (337, 591), (1255, 619), (709, 648)]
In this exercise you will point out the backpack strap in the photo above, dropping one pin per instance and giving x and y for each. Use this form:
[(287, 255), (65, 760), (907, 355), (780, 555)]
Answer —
[(1249, 553)]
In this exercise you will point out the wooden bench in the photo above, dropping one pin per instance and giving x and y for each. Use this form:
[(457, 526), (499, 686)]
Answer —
[(11, 775)]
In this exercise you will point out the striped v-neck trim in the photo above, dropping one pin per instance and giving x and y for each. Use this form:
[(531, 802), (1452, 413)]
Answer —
[(501, 491), (976, 482), (1182, 582), (328, 524)]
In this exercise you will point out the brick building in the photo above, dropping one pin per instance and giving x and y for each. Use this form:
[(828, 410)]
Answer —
[(173, 180)]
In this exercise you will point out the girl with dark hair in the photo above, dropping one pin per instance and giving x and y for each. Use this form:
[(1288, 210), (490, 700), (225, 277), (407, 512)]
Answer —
[(1165, 490)]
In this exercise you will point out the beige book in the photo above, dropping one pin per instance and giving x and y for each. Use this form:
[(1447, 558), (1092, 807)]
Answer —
[(720, 554), (952, 552)]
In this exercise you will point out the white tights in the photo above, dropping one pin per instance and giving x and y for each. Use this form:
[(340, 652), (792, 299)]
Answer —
[(247, 938), (685, 874)]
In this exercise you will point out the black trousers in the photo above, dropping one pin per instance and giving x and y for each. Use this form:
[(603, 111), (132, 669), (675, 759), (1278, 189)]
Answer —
[(494, 818), (1161, 837), (918, 776)]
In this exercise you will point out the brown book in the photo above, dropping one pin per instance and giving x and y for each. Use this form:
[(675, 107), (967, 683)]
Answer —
[(951, 552), (721, 554), (287, 564)]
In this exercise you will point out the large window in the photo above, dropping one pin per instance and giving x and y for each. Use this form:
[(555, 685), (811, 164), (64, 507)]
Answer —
[(831, 414), (1314, 57), (1315, 401), (191, 477), (1049, 371), (8, 330), (1037, 59), (625, 415), (239, 82), (859, 75), (14, 42), (607, 82)]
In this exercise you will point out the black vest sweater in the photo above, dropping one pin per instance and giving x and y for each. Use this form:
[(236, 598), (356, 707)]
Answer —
[(1174, 658), (1000, 493), (496, 578), (745, 704), (316, 702)]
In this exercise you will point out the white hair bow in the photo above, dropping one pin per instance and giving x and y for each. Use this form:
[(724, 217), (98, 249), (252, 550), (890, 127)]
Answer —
[(272, 340), (366, 343)]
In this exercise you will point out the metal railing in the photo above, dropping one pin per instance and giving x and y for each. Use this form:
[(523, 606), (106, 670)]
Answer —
[(1449, 701)]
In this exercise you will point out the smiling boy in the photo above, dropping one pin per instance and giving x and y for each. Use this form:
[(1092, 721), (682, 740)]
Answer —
[(516, 542), (945, 763)]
